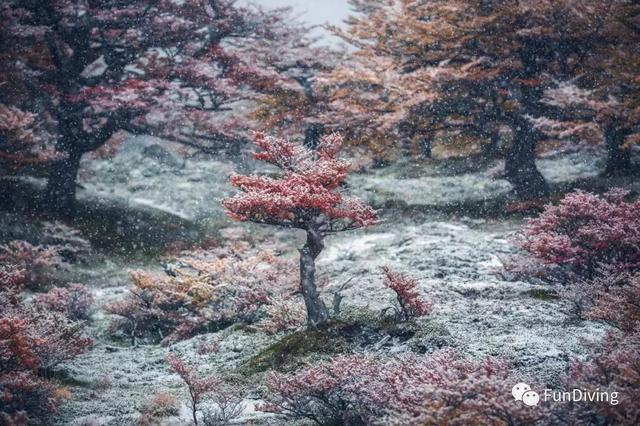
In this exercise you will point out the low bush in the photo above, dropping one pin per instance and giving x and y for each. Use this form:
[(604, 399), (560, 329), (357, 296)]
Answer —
[(591, 245), (161, 404), (283, 315), (582, 233), (33, 341), (614, 367), (364, 389), (588, 244), (70, 244), (27, 265), (203, 290), (74, 301), (227, 405)]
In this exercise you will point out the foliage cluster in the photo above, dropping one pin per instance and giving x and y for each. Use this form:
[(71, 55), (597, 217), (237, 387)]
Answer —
[(207, 289)]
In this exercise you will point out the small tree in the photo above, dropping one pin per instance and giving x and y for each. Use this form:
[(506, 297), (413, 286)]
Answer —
[(410, 303), (198, 386), (306, 196)]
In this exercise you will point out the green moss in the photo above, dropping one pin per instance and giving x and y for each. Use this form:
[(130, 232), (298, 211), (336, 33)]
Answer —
[(542, 294), (291, 351), (431, 335), (360, 315)]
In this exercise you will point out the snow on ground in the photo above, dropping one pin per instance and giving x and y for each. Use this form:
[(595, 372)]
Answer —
[(147, 172), (455, 259), (475, 312), (429, 187), (475, 309)]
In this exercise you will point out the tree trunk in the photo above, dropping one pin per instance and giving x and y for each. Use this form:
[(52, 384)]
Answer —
[(619, 158), (520, 164), (490, 150), (60, 195), (316, 311), (425, 147), (313, 134)]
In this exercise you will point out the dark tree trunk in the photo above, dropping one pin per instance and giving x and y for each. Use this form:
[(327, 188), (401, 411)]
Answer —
[(619, 158), (520, 165), (60, 194), (316, 311), (425, 146), (313, 134), (74, 141), (491, 149)]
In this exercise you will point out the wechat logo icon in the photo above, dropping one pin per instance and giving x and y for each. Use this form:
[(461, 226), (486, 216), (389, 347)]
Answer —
[(522, 392)]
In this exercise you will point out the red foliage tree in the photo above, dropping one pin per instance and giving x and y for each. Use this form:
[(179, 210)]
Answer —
[(20, 142), (604, 90), (475, 69), (197, 386), (410, 303), (298, 103), (92, 69), (306, 196)]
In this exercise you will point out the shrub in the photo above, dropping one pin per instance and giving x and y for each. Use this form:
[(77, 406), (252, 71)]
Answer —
[(362, 389), (31, 265), (617, 300), (74, 301), (283, 315), (161, 404), (24, 395), (588, 243), (205, 289), (70, 243), (329, 393), (446, 389), (198, 387), (592, 245), (614, 367), (409, 302), (209, 346), (51, 337), (12, 277), (585, 231), (33, 340), (227, 405)]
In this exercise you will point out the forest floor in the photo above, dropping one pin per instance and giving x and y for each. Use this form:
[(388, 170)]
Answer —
[(456, 254)]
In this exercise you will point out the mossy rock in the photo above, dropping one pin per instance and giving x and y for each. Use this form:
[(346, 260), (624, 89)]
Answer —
[(542, 294), (431, 336), (291, 351)]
